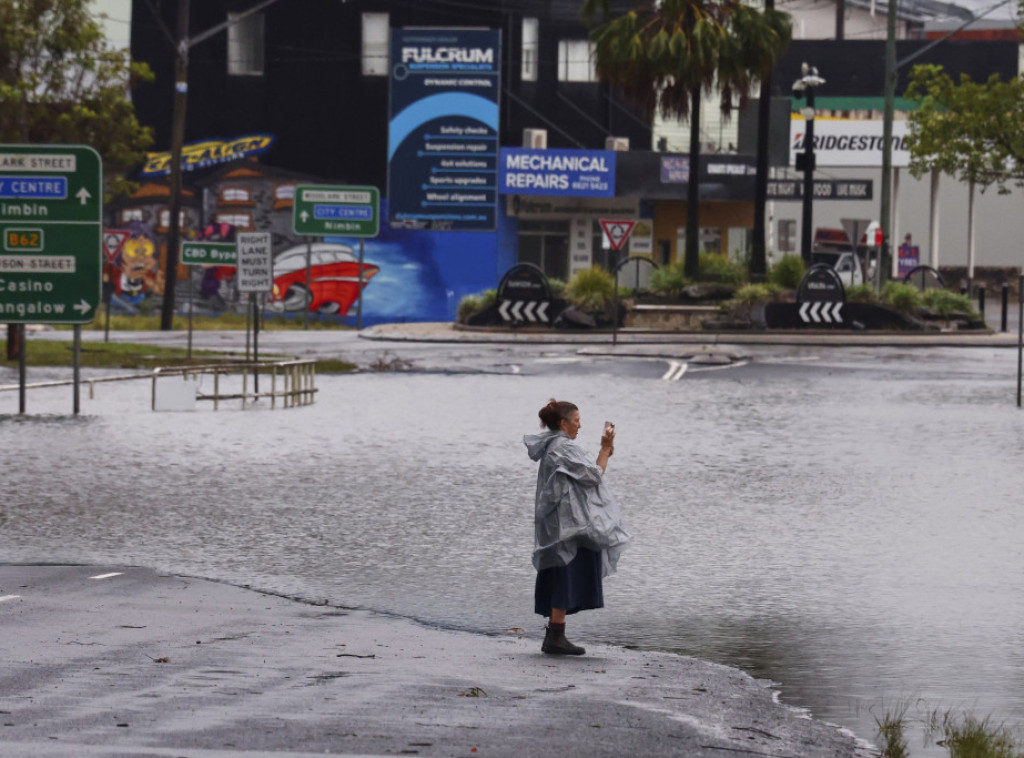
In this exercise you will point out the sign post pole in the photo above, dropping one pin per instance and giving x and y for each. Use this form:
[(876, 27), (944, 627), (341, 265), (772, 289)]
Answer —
[(106, 308), (22, 362), (188, 353), (359, 305), (309, 290), (255, 344), (617, 232), (77, 369), (615, 316), (1020, 334)]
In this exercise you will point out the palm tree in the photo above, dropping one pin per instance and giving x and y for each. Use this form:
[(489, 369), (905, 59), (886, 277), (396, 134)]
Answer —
[(663, 54)]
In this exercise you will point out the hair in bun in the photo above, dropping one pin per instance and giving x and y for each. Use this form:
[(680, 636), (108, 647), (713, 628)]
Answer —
[(552, 414)]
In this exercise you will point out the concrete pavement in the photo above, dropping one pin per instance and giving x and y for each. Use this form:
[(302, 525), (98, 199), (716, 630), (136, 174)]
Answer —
[(120, 661), (448, 332)]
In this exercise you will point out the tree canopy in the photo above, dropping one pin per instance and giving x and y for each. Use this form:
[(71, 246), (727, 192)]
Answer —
[(969, 130), (663, 54), (660, 52), (61, 82)]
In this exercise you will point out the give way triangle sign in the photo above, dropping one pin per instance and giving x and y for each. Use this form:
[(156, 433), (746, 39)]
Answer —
[(617, 231), (113, 241)]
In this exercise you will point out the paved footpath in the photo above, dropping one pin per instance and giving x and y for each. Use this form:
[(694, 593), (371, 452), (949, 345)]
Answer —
[(120, 661)]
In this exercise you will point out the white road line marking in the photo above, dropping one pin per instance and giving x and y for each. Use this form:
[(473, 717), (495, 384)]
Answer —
[(675, 372), (737, 364), (8, 597), (106, 576)]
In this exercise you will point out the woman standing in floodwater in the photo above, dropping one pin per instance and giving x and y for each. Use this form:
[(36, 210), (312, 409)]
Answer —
[(579, 531)]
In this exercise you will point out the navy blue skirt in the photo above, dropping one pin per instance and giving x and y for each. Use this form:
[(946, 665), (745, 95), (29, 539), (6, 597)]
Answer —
[(576, 587)]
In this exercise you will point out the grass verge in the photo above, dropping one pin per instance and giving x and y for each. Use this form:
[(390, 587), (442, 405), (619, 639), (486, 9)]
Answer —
[(967, 736), (134, 356), (963, 735), (223, 322), (892, 732)]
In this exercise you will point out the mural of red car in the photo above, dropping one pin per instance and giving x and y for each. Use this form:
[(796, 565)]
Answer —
[(333, 278)]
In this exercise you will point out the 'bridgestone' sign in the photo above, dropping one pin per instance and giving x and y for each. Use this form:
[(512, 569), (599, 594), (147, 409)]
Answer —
[(849, 142)]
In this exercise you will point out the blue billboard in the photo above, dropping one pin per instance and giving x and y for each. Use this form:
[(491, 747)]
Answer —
[(579, 173), (443, 129)]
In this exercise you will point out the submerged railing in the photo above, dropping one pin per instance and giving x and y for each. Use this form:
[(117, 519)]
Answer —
[(291, 381)]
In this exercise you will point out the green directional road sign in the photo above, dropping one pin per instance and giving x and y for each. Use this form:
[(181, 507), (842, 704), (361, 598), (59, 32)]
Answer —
[(209, 253), (324, 210), (51, 206)]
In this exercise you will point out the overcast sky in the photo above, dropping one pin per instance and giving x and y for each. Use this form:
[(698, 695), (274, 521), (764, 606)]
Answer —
[(119, 13), (1003, 11), (118, 23)]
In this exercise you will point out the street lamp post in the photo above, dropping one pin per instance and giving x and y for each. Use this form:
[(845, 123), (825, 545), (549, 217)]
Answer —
[(804, 87)]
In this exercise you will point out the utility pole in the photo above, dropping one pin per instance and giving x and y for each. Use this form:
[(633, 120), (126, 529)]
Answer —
[(177, 142), (890, 95), (758, 254), (182, 43)]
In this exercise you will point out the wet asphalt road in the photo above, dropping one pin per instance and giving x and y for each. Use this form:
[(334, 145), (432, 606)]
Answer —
[(121, 661), (884, 542)]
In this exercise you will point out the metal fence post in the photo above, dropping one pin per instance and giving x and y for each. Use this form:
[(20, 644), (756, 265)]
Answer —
[(1006, 305), (1020, 331)]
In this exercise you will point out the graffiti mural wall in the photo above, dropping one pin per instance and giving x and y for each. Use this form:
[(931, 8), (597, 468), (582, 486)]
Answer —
[(407, 274), (135, 273), (423, 274)]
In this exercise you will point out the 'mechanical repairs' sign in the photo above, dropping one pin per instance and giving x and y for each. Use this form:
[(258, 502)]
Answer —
[(574, 173)]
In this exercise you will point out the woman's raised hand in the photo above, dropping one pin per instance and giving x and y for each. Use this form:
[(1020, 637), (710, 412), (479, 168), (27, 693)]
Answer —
[(608, 439)]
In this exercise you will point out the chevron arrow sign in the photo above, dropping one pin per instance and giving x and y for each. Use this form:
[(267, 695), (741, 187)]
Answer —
[(532, 311), (821, 313)]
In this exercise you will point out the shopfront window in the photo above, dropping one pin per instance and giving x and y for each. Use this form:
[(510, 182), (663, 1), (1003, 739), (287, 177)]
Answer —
[(787, 235), (710, 240), (739, 242), (546, 245)]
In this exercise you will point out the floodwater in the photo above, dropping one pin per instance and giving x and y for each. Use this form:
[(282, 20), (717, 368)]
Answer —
[(851, 532)]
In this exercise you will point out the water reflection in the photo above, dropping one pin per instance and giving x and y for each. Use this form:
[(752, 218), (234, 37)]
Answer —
[(853, 537)]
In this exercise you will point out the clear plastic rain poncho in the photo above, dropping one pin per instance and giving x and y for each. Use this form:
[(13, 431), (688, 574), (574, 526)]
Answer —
[(574, 508)]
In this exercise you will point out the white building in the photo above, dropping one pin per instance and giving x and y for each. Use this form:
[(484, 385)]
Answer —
[(999, 222)]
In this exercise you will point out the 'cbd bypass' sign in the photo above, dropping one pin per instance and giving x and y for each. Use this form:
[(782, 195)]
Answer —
[(51, 203)]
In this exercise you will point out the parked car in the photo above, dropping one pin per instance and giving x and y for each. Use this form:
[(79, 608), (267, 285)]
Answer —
[(833, 248), (848, 265)]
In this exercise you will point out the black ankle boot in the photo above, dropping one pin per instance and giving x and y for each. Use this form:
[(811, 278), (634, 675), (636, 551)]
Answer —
[(555, 643)]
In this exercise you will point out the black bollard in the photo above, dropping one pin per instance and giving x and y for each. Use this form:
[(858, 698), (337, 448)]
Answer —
[(981, 301), (1006, 306)]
